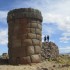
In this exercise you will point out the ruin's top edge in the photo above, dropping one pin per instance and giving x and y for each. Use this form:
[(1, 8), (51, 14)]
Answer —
[(24, 12)]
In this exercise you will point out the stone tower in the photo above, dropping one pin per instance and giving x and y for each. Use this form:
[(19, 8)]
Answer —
[(24, 36)]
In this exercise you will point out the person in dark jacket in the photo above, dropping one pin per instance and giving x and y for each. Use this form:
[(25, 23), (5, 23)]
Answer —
[(48, 38), (45, 38)]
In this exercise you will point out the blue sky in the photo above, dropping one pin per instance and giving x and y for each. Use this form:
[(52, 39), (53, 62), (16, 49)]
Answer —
[(56, 20)]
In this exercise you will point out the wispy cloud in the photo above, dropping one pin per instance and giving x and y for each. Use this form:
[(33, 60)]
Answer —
[(47, 30), (3, 36), (64, 49), (62, 22), (65, 37), (3, 31), (3, 16)]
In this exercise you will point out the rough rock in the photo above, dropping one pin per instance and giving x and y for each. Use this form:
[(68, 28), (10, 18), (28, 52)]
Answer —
[(49, 50)]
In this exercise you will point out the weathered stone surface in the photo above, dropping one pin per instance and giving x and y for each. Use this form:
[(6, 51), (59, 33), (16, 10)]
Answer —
[(35, 58), (40, 43), (49, 50), (24, 36), (16, 43), (12, 60), (39, 26), (16, 28), (30, 50), (38, 31), (32, 30), (39, 37), (31, 35), (37, 49), (25, 60), (35, 42), (28, 30), (24, 12), (24, 30), (27, 42), (39, 22), (34, 25)]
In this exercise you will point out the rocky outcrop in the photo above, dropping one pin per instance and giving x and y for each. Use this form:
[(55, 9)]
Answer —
[(49, 50)]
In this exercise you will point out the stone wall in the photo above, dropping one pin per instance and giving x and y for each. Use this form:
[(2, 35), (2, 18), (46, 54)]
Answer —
[(24, 35)]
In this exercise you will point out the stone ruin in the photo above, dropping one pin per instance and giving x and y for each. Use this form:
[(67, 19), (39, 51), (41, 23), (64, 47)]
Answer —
[(24, 36)]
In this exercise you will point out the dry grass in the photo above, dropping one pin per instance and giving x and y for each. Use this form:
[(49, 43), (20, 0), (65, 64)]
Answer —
[(60, 63), (63, 59)]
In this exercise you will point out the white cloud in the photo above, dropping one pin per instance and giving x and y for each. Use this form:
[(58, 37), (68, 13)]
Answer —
[(3, 16), (62, 22), (48, 30), (66, 34), (65, 49), (3, 36), (64, 39)]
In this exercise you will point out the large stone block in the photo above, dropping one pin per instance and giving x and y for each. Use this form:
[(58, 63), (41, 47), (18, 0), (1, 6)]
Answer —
[(37, 49), (31, 36), (34, 25), (35, 42), (38, 22), (38, 31), (32, 30), (30, 50), (33, 21), (25, 60), (35, 58), (27, 42), (16, 43), (40, 26), (39, 37)]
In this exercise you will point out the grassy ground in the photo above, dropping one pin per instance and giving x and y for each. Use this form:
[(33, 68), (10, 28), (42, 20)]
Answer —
[(60, 63)]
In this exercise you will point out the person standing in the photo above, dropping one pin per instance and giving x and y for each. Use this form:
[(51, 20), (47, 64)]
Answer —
[(47, 38)]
